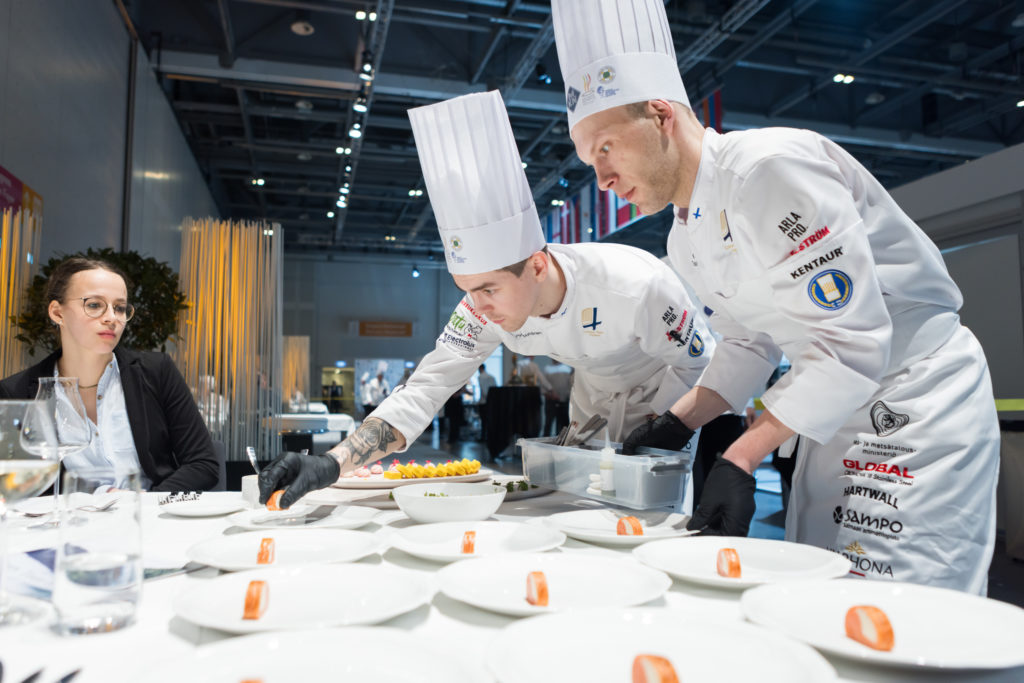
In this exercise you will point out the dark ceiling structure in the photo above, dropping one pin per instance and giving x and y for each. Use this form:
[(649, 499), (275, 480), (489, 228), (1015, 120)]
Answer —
[(296, 109)]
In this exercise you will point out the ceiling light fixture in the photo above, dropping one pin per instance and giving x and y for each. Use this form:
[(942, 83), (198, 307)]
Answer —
[(1020, 103), (303, 105), (372, 16), (355, 133), (302, 25), (360, 106), (330, 214), (415, 271), (361, 15)]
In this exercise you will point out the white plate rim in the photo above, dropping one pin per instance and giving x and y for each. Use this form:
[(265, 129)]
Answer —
[(593, 536), (364, 484), (852, 651), (497, 651), (445, 583), (424, 592), (173, 669), (837, 568), (397, 540), (217, 508), (195, 552), (239, 519)]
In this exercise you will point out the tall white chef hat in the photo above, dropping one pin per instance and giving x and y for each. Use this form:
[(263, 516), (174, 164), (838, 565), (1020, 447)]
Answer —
[(482, 202), (614, 52)]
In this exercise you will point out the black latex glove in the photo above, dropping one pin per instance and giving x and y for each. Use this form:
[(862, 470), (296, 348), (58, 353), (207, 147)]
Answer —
[(300, 474), (727, 503), (666, 431)]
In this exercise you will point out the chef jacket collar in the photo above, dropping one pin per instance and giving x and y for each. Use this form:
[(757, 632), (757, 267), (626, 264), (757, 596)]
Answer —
[(703, 182)]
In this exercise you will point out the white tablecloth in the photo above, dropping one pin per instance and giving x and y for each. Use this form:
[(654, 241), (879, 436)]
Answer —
[(160, 636)]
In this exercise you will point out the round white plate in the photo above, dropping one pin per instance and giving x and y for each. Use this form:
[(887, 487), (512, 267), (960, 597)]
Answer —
[(320, 656), (498, 583), (39, 505), (292, 547), (598, 526), (378, 481), (598, 646), (934, 628), (205, 507), (442, 542), (343, 517), (314, 596), (761, 560)]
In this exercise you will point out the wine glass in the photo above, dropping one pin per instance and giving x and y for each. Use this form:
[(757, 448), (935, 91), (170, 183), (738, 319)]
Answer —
[(28, 464), (73, 431)]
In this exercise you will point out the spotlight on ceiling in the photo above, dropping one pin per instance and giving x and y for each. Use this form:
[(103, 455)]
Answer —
[(542, 74), (302, 26), (304, 156), (303, 105), (415, 272), (360, 105)]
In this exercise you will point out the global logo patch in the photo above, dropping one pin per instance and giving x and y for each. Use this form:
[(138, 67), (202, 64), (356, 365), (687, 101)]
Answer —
[(606, 74), (456, 244), (831, 290), (885, 421), (696, 345), (572, 98)]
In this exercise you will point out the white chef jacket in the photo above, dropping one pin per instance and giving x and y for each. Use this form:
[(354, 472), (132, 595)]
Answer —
[(626, 324), (792, 246)]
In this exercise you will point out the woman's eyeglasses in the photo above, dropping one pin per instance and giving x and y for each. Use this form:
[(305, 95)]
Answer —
[(95, 307)]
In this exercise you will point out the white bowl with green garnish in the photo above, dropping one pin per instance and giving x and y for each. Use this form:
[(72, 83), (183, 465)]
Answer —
[(448, 501)]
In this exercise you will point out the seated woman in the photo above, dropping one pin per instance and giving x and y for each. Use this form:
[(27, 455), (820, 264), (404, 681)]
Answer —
[(140, 409)]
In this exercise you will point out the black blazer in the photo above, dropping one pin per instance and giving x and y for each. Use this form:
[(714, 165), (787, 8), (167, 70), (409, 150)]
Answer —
[(173, 443)]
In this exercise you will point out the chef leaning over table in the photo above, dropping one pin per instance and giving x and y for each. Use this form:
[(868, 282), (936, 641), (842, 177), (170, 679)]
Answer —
[(618, 315), (792, 246)]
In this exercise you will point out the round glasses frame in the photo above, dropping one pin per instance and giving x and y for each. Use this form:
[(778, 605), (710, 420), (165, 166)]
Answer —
[(95, 307)]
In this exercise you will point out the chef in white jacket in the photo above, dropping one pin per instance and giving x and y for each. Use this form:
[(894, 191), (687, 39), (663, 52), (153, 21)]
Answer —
[(617, 314), (794, 247)]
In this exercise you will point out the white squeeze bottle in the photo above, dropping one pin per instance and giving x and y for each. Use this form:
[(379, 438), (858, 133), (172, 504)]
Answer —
[(607, 465)]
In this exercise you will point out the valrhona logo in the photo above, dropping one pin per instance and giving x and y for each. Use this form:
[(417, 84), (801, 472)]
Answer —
[(885, 421), (862, 563)]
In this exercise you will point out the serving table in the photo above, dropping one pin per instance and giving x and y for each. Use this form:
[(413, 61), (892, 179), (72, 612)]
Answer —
[(160, 636)]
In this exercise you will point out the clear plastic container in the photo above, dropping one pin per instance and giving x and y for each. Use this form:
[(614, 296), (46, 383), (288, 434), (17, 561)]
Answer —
[(650, 479)]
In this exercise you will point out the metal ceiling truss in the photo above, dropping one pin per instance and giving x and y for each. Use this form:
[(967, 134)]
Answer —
[(251, 110)]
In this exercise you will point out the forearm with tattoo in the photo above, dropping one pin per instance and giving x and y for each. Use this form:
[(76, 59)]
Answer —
[(374, 440)]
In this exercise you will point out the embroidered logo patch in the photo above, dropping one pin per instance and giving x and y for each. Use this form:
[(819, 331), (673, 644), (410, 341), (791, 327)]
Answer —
[(831, 290), (885, 421)]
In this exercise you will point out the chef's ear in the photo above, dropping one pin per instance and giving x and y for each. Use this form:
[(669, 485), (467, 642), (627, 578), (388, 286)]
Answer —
[(539, 264), (662, 112)]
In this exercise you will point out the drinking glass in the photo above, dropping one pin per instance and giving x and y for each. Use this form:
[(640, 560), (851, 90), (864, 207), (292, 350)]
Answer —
[(98, 571), (28, 464), (73, 431)]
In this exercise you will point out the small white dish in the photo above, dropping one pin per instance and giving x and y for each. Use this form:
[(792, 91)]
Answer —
[(313, 596), (934, 628), (440, 501), (498, 583), (342, 517), (443, 542), (315, 656), (598, 646), (761, 560), (599, 526), (292, 547), (204, 507)]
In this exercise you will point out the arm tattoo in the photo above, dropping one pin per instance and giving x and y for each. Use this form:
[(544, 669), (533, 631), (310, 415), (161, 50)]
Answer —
[(373, 435)]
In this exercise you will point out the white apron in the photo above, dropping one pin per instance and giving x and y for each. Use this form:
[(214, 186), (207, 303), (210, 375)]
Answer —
[(904, 490)]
